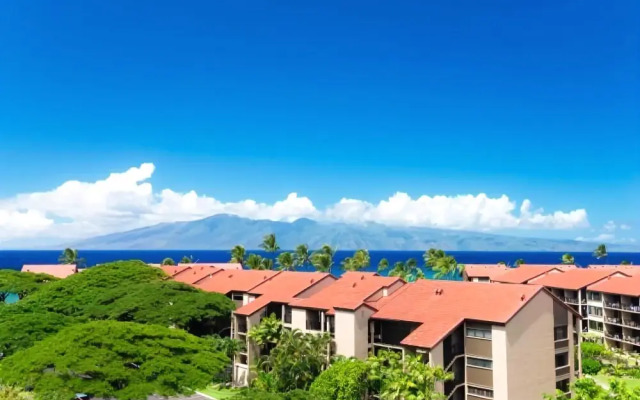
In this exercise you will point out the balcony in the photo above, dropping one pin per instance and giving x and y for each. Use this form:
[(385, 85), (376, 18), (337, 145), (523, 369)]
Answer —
[(634, 340), (561, 344), (631, 308), (571, 300), (564, 370), (614, 306)]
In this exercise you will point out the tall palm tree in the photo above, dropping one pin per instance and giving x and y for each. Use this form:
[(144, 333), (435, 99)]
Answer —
[(70, 256), (301, 256), (254, 261), (383, 265), (237, 254), (326, 249), (600, 251), (519, 262), (625, 262), (359, 261), (267, 263), (432, 256), (168, 261), (442, 264), (321, 261), (269, 243), (186, 260), (286, 262), (568, 259)]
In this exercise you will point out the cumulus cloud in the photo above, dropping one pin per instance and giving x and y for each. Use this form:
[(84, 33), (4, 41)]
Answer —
[(127, 200), (610, 226)]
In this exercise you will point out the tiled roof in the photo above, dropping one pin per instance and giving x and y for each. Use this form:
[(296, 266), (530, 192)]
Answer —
[(525, 273), (441, 305), (227, 281), (574, 279), (57, 270), (348, 292), (217, 265), (282, 288), (627, 269), (484, 270), (618, 285), (191, 275), (172, 270)]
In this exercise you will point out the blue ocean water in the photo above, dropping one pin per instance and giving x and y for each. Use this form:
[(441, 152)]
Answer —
[(14, 259)]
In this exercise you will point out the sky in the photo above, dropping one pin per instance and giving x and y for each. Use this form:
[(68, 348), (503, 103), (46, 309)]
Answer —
[(495, 116)]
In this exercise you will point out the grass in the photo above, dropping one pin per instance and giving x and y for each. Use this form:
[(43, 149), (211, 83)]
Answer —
[(603, 380), (218, 393)]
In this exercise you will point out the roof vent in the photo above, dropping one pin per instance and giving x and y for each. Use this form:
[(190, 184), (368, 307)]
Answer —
[(230, 276), (312, 280), (354, 284), (438, 292), (523, 297), (362, 278)]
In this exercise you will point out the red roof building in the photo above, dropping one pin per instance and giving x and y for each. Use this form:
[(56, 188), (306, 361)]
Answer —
[(58, 270)]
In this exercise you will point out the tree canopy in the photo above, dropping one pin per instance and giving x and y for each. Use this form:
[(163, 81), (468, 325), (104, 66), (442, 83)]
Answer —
[(600, 251), (567, 259), (360, 260), (344, 380), (21, 283), (115, 359), (70, 256)]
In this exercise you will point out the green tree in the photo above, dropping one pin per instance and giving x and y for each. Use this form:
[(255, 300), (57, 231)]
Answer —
[(267, 264), (625, 262), (11, 393), (21, 283), (186, 260), (322, 260), (254, 261), (238, 254), (392, 378), (113, 359), (409, 271), (344, 380), (294, 362), (168, 261), (302, 256), (568, 259), (268, 332), (383, 265), (286, 261), (442, 264), (519, 262), (600, 251), (269, 243), (70, 256), (359, 261)]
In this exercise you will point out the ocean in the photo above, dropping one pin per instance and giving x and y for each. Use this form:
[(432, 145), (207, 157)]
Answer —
[(15, 259)]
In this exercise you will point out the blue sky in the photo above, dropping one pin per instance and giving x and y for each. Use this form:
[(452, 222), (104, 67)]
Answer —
[(255, 100)]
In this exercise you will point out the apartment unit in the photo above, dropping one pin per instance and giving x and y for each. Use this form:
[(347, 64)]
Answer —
[(271, 297), (500, 341), (482, 272), (614, 311)]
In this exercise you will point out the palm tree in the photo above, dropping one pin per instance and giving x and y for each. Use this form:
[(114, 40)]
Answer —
[(568, 259), (408, 271), (432, 256), (301, 256), (267, 263), (600, 251), (238, 254), (359, 261), (168, 261), (383, 265), (70, 256), (625, 262), (286, 261), (442, 264), (321, 261), (269, 243), (519, 262), (186, 260), (254, 261), (268, 331)]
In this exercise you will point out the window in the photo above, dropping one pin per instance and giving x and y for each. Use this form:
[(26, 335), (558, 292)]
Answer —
[(562, 360), (564, 385), (595, 326), (242, 359), (595, 296), (479, 332), (479, 362), (488, 393), (237, 297), (287, 314), (597, 311), (560, 333)]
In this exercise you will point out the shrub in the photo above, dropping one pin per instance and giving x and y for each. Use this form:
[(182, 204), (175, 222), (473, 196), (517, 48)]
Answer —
[(591, 366), (592, 350), (343, 380), (256, 394)]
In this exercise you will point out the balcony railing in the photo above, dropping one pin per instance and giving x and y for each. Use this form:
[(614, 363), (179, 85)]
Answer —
[(560, 371), (616, 306), (630, 307), (571, 300), (635, 340), (561, 344)]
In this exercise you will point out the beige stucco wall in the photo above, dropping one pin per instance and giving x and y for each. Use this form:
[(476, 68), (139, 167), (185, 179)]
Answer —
[(436, 358), (351, 332), (299, 319), (499, 346), (531, 351)]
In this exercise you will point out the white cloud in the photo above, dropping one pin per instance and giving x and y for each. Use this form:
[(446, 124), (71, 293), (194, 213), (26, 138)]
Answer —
[(610, 226), (127, 200), (625, 227)]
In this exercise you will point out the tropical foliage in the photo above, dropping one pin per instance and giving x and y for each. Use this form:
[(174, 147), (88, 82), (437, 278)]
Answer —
[(519, 262), (345, 379), (186, 260), (408, 271), (600, 251), (588, 389), (21, 283), (301, 256), (268, 331), (238, 254), (360, 260), (442, 264), (286, 261), (269, 243), (567, 259), (168, 261), (322, 260), (115, 359), (70, 256), (383, 265)]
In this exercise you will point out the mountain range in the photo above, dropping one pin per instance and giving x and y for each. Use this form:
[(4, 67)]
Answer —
[(225, 231)]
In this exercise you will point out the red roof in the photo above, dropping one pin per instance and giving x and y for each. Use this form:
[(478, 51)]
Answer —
[(627, 269), (191, 275), (524, 273), (172, 270), (282, 288), (442, 305), (217, 265), (349, 292), (574, 279), (57, 270), (618, 285), (484, 270), (227, 281)]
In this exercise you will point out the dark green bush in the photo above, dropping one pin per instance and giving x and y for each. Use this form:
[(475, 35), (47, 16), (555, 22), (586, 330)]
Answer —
[(591, 366), (256, 394), (592, 350), (343, 380)]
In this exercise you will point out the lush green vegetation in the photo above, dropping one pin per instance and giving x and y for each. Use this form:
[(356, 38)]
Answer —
[(345, 380), (568, 259), (589, 389), (600, 251), (70, 256), (21, 283), (116, 330)]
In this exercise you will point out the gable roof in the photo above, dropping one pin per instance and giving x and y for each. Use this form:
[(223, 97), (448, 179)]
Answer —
[(574, 279), (227, 281), (525, 272), (628, 286), (442, 305), (191, 275), (349, 292), (282, 288), (171, 270), (57, 270), (484, 270), (627, 269), (216, 265)]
